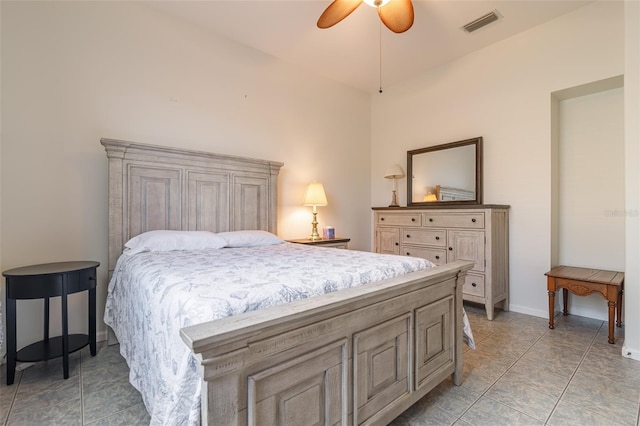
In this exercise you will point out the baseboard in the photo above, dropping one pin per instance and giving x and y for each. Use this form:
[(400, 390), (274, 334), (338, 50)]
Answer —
[(630, 353), (528, 311)]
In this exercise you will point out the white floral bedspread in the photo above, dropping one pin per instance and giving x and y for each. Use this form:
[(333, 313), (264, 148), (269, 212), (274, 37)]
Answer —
[(153, 295)]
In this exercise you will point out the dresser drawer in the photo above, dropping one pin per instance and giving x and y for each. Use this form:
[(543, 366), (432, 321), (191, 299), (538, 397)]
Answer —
[(474, 285), (477, 233), (454, 220), (437, 256), (432, 237), (395, 219)]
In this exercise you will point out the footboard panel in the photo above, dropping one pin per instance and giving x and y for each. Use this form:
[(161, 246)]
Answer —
[(382, 366), (434, 339), (307, 390), (358, 356)]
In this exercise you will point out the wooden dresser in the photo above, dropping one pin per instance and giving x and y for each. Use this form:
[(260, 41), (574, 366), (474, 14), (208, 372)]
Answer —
[(479, 234)]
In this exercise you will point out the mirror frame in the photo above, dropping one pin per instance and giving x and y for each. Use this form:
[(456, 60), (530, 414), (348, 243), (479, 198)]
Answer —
[(478, 200)]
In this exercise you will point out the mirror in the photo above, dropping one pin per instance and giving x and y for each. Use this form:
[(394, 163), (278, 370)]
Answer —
[(445, 174)]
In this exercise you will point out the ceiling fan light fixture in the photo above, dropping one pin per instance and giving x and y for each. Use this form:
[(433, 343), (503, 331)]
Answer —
[(376, 3)]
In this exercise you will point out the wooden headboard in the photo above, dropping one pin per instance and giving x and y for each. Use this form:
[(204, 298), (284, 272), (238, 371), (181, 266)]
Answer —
[(154, 187)]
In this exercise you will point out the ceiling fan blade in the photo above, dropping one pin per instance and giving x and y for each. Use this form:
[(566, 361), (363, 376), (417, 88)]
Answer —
[(397, 15), (336, 12)]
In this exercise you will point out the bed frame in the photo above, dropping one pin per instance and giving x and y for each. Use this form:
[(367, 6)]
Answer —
[(358, 356)]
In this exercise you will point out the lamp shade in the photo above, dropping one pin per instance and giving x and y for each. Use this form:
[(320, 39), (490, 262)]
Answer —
[(315, 195), (394, 172)]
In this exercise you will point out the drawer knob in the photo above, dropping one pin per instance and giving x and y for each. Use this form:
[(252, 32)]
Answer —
[(473, 220), (408, 236), (430, 219), (413, 219), (397, 244), (474, 285), (437, 257), (408, 254), (450, 248), (382, 219), (437, 238)]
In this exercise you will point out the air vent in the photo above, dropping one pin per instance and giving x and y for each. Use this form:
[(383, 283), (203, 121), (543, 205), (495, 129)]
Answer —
[(482, 21)]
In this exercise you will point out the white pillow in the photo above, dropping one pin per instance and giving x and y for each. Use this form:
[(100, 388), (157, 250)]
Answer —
[(254, 238), (161, 240)]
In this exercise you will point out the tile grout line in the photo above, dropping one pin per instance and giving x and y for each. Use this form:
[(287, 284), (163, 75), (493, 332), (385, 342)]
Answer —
[(503, 374), (85, 422), (586, 352), (16, 383), (638, 413), (459, 418)]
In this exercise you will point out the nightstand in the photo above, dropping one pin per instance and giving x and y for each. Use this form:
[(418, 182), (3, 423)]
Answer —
[(43, 282), (332, 242)]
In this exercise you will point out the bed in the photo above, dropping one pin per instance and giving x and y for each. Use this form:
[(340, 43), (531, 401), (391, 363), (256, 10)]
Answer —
[(355, 355)]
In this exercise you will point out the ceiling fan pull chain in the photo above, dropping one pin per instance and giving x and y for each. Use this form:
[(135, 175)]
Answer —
[(380, 91)]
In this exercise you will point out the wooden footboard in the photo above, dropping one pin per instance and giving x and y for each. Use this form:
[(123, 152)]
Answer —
[(357, 356)]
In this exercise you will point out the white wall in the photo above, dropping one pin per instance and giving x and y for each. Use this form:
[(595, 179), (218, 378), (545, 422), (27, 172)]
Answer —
[(591, 184), (631, 347), (503, 93), (73, 72)]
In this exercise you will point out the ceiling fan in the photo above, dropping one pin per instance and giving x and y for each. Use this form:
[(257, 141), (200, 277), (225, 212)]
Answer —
[(397, 15)]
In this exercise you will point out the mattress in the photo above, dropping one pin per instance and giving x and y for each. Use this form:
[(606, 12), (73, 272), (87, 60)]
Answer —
[(151, 296)]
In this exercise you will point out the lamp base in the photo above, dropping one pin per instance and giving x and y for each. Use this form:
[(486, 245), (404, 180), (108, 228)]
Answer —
[(394, 199), (315, 236)]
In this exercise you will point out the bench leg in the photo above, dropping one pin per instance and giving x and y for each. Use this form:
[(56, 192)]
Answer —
[(619, 309), (612, 310), (565, 302), (552, 305)]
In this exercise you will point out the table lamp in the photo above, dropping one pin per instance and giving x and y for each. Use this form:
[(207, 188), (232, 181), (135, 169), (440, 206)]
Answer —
[(315, 197), (395, 172)]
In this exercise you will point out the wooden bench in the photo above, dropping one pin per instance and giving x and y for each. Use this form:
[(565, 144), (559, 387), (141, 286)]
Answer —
[(584, 281)]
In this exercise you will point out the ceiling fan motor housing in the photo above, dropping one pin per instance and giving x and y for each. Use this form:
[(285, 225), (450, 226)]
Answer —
[(376, 3)]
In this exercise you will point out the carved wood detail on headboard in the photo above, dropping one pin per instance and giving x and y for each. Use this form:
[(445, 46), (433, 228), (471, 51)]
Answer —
[(153, 187)]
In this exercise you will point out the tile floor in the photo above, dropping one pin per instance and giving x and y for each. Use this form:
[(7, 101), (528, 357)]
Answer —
[(97, 392), (521, 373)]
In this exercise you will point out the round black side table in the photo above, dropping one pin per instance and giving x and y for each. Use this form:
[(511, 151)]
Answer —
[(42, 282)]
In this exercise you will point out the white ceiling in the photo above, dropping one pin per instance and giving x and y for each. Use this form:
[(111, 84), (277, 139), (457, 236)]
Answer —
[(349, 52)]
